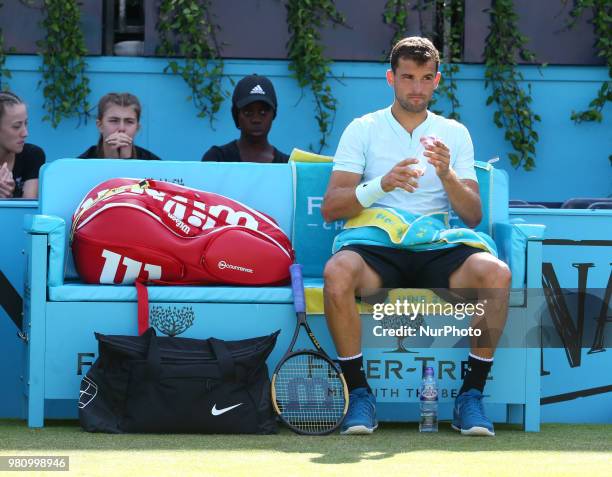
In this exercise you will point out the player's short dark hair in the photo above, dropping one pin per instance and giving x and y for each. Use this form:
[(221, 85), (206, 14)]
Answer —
[(416, 48)]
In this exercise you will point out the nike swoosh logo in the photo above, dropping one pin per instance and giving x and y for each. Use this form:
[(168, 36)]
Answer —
[(217, 412)]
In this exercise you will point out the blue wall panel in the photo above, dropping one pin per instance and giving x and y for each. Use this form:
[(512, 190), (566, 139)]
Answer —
[(572, 160)]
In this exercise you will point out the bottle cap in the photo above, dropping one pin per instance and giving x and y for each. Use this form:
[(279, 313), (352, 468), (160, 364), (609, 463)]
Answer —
[(429, 371)]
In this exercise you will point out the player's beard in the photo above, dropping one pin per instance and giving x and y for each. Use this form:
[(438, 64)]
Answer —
[(412, 107)]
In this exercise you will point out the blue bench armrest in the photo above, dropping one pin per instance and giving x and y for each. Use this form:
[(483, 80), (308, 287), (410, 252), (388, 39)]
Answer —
[(43, 224), (55, 228), (511, 240)]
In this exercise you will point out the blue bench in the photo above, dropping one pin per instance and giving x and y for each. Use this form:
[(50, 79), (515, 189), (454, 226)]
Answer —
[(61, 313)]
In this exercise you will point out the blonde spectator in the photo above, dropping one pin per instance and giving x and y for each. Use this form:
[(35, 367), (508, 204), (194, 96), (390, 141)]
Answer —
[(19, 162)]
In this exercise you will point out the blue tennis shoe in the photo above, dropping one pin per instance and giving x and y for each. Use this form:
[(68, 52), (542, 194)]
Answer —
[(361, 415), (469, 417)]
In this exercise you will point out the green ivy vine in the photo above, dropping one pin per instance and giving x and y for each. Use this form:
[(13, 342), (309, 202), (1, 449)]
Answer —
[(396, 14), (186, 29), (449, 34), (65, 84), (602, 24), (4, 73), (452, 18), (513, 113), (306, 60)]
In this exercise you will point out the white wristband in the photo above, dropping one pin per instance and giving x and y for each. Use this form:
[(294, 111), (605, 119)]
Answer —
[(369, 192)]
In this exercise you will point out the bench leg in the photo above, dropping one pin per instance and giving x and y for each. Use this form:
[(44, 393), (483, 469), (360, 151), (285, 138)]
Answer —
[(36, 410), (516, 413), (36, 380), (532, 417), (532, 391)]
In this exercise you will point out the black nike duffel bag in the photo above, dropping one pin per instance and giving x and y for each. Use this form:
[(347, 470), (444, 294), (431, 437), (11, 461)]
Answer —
[(178, 385)]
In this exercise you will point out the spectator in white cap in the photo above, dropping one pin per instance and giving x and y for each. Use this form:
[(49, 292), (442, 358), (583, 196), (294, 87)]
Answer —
[(253, 109)]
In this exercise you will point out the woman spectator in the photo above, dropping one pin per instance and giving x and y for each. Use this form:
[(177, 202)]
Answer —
[(19, 162), (118, 122), (253, 109)]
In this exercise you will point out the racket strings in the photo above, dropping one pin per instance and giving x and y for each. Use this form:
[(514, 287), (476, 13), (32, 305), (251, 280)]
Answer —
[(310, 393)]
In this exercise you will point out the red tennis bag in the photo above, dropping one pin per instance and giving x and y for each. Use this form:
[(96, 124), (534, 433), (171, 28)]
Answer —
[(128, 230)]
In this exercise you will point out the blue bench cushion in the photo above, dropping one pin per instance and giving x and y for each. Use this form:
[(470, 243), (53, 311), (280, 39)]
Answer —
[(79, 292), (184, 293)]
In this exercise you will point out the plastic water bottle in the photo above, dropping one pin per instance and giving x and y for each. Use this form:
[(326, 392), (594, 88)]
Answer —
[(429, 402)]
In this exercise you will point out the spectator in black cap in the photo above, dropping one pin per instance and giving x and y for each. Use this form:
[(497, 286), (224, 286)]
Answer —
[(253, 109)]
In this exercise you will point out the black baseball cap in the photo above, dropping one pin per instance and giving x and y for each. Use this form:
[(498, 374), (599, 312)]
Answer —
[(254, 88)]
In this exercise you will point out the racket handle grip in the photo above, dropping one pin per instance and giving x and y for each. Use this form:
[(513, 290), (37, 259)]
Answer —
[(297, 284)]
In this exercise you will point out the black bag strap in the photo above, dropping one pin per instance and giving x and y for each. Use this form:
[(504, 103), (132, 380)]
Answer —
[(153, 356), (11, 301), (224, 358)]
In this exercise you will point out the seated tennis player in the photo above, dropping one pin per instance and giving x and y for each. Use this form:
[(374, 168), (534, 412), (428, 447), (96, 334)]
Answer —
[(418, 163)]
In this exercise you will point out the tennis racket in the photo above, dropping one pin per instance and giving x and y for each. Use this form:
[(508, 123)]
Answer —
[(309, 392)]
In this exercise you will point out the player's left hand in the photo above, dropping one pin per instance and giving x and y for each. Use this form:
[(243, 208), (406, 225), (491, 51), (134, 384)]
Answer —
[(438, 155)]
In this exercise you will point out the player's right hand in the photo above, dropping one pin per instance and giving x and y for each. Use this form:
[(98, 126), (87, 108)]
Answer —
[(403, 176)]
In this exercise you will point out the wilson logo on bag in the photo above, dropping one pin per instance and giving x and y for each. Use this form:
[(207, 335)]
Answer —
[(129, 229)]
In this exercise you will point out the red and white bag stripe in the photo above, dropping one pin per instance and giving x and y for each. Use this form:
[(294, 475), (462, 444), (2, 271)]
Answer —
[(131, 229)]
